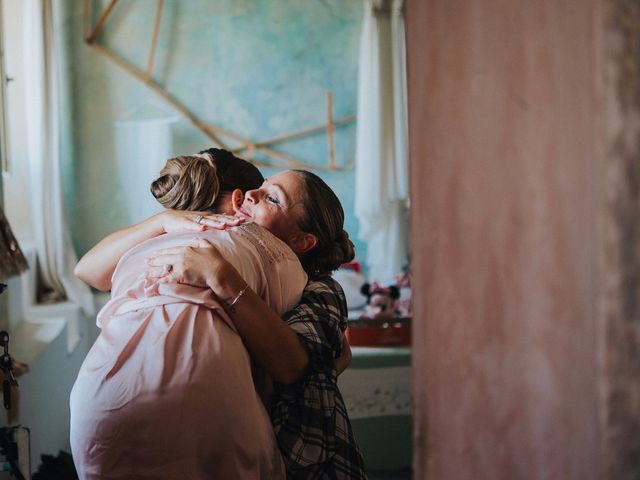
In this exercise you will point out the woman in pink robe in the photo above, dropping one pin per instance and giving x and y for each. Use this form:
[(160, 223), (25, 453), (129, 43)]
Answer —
[(166, 391), (169, 366)]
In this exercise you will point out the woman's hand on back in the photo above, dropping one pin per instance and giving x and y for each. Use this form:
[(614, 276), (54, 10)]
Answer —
[(200, 265), (273, 343)]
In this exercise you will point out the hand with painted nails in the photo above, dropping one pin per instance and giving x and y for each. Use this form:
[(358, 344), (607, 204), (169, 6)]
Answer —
[(219, 221), (177, 220)]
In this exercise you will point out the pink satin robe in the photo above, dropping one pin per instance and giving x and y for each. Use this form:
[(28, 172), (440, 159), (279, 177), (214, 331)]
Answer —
[(166, 391)]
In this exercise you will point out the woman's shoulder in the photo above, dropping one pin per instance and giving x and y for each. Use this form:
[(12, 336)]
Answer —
[(322, 303), (325, 292), (324, 285)]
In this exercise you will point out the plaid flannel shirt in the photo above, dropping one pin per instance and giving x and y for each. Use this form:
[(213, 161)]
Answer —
[(309, 417)]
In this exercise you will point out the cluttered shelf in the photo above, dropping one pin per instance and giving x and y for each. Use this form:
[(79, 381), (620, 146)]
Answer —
[(380, 314)]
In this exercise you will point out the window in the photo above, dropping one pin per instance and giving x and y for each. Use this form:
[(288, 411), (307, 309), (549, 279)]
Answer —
[(4, 159), (13, 124)]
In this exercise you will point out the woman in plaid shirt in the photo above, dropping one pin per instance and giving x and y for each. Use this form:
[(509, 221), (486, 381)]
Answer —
[(306, 408), (309, 416)]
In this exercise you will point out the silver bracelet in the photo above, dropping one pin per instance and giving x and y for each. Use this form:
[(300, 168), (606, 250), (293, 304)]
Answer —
[(237, 297)]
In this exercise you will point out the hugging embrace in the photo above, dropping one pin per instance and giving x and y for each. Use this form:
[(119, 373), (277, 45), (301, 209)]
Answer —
[(221, 343)]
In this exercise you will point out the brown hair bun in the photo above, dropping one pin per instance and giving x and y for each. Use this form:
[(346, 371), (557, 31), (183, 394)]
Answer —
[(187, 183)]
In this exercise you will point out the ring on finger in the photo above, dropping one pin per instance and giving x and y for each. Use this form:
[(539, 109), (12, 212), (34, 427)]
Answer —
[(166, 268)]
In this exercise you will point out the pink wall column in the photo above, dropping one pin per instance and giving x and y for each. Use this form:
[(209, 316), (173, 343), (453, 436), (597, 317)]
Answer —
[(508, 201)]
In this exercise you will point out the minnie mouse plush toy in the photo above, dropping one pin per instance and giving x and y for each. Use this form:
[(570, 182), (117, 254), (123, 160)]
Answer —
[(380, 301)]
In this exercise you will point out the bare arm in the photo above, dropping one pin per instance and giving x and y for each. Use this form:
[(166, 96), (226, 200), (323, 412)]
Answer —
[(270, 340), (96, 267)]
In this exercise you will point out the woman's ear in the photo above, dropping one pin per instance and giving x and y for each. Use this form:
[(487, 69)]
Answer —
[(237, 198), (303, 242)]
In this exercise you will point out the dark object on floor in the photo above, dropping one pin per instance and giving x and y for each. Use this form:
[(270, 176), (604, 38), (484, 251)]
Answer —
[(401, 474), (56, 468)]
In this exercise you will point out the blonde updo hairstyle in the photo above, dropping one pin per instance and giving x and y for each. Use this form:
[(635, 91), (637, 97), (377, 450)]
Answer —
[(323, 216), (187, 182)]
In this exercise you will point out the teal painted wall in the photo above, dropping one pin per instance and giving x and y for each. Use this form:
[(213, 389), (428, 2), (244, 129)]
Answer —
[(259, 68)]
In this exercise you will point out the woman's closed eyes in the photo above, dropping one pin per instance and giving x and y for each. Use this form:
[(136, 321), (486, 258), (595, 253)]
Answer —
[(274, 200)]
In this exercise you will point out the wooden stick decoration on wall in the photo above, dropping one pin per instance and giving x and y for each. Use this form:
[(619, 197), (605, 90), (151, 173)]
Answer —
[(209, 132), (85, 19), (295, 134), (330, 130), (101, 21), (212, 132), (154, 40)]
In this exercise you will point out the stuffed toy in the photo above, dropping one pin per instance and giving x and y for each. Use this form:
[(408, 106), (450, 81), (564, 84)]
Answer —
[(351, 280), (380, 301), (403, 304)]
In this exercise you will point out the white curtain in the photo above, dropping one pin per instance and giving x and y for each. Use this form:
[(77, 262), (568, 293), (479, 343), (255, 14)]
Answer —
[(381, 202), (56, 257)]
